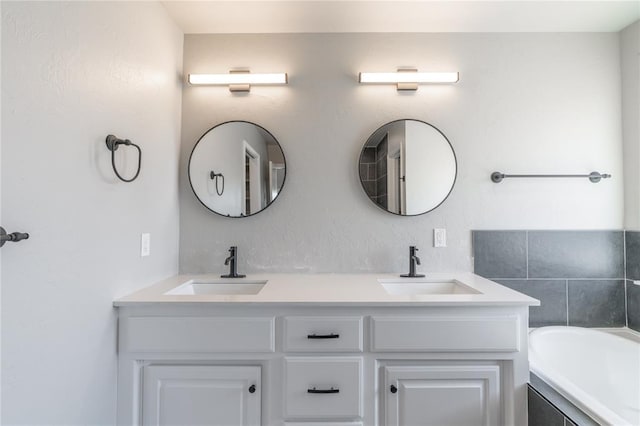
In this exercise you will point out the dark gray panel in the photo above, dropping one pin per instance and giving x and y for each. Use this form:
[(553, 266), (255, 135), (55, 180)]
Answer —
[(576, 254), (541, 412), (569, 410), (633, 305), (500, 254), (381, 168), (382, 186), (381, 159), (596, 303), (368, 155), (633, 255), (364, 171), (552, 295), (370, 187), (372, 171)]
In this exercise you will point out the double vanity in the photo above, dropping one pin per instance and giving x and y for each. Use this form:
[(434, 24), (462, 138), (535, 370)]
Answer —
[(329, 349), (324, 349)]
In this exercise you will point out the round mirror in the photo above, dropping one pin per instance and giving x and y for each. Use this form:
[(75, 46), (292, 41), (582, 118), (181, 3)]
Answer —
[(237, 169), (407, 167)]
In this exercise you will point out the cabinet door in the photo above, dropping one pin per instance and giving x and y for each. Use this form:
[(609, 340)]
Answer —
[(201, 395), (442, 395)]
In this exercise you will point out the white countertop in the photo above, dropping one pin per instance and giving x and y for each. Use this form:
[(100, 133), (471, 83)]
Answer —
[(333, 290)]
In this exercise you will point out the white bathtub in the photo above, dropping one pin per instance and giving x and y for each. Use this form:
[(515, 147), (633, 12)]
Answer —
[(597, 371)]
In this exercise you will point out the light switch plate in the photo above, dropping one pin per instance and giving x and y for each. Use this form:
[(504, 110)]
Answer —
[(439, 237), (145, 244)]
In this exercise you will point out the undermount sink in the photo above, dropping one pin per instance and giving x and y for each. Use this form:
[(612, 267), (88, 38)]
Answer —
[(419, 286), (218, 286)]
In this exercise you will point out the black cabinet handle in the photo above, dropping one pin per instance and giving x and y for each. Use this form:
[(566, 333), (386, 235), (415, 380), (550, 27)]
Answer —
[(252, 389), (314, 390), (323, 336), (394, 389)]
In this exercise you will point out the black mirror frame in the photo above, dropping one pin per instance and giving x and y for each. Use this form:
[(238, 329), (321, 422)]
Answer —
[(284, 180), (455, 160)]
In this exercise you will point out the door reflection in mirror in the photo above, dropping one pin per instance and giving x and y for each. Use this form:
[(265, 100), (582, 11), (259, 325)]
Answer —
[(252, 163), (407, 167)]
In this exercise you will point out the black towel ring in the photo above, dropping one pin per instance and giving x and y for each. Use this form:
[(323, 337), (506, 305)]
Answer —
[(214, 176), (112, 145)]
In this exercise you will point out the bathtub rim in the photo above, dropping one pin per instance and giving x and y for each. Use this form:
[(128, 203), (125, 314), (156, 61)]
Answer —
[(573, 394)]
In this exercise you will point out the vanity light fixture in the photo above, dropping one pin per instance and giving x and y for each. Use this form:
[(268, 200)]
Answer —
[(238, 80), (408, 79)]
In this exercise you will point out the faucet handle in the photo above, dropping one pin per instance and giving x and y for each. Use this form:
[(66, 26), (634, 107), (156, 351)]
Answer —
[(412, 252), (232, 255)]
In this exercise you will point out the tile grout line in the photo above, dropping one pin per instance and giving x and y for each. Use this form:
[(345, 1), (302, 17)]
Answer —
[(566, 287), (624, 264), (626, 308), (526, 250)]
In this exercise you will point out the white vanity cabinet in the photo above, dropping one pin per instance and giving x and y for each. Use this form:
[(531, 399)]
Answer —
[(181, 367), (182, 363), (459, 369)]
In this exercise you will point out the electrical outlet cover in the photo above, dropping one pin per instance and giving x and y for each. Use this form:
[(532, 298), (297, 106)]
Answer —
[(145, 245), (439, 237)]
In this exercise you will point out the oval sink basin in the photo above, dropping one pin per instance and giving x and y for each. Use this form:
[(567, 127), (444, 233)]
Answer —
[(418, 286), (221, 287)]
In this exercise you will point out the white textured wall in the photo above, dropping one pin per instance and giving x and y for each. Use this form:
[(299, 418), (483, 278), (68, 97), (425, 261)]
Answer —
[(630, 68), (525, 103), (425, 145), (71, 74)]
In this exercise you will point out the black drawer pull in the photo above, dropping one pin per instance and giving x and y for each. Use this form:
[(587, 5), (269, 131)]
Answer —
[(323, 336), (252, 389), (394, 389), (314, 390)]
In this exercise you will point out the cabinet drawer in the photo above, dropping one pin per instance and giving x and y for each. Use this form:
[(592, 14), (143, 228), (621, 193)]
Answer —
[(445, 334), (323, 388), (197, 334), (323, 334)]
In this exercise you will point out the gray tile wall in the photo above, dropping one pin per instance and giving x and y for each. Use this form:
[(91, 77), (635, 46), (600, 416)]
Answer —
[(578, 276), (368, 171), (381, 172), (632, 244)]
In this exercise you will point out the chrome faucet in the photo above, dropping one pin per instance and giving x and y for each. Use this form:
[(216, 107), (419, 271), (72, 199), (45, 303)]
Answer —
[(231, 261), (413, 260)]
